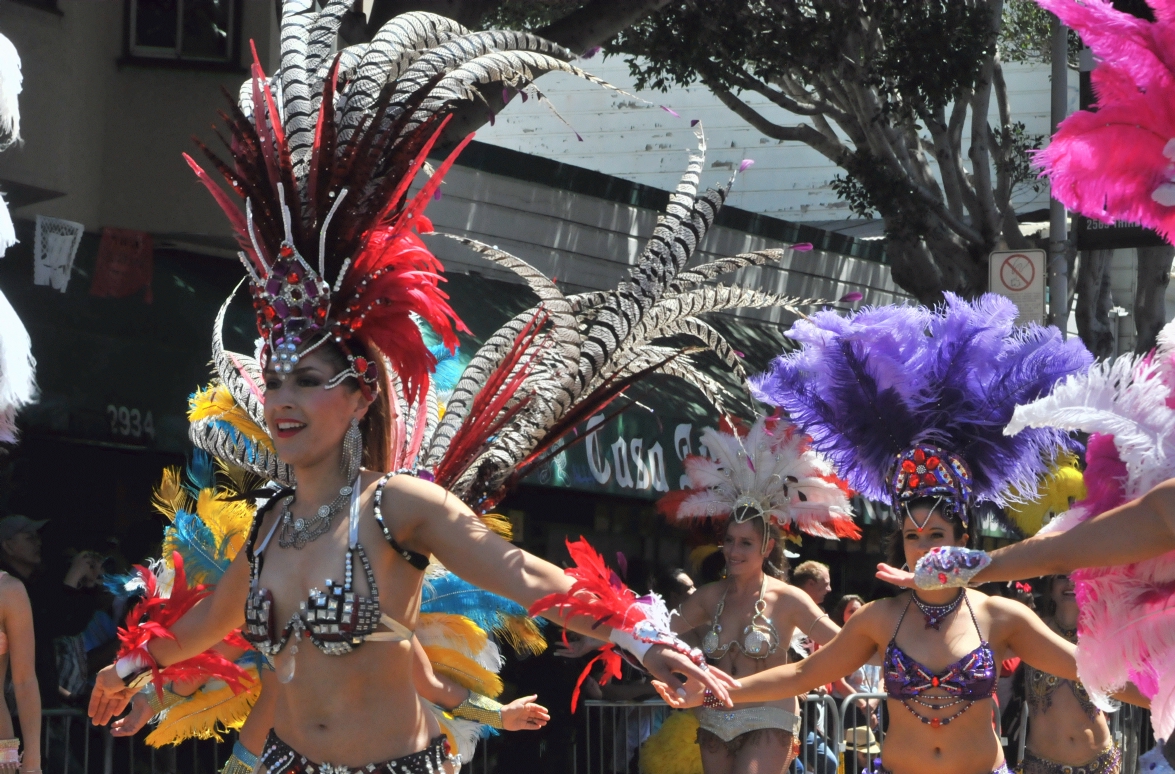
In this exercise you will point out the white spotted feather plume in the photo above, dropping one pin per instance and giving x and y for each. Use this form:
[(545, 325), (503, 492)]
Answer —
[(771, 471)]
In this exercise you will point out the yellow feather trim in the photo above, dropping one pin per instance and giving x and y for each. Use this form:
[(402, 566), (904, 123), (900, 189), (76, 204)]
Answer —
[(1056, 494), (451, 631), (170, 497), (228, 520), (207, 715), (499, 525), (674, 748), (216, 402), (463, 670), (521, 633)]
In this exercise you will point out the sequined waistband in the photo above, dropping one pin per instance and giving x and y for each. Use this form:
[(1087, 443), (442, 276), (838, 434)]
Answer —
[(728, 724), (279, 758), (1108, 761)]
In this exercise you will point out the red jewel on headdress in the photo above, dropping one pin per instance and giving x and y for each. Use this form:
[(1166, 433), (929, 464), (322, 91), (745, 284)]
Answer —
[(285, 251), (269, 312), (919, 456), (908, 466), (360, 365), (356, 324), (293, 277), (932, 462), (914, 481), (320, 313)]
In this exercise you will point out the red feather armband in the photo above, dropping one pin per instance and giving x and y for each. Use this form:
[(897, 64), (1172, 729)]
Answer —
[(151, 618), (638, 623)]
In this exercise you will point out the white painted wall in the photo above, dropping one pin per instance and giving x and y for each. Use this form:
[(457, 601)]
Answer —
[(639, 141), (589, 243)]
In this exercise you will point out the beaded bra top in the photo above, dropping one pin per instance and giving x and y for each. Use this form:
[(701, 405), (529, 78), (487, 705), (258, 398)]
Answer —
[(971, 678), (1039, 688), (336, 619), (760, 637)]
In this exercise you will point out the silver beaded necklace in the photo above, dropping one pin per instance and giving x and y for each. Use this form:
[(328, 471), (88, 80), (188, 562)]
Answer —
[(299, 532)]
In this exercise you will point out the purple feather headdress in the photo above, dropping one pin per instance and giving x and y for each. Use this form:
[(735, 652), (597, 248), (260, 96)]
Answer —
[(872, 387)]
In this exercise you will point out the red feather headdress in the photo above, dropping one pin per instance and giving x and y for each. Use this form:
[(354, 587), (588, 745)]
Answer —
[(329, 242)]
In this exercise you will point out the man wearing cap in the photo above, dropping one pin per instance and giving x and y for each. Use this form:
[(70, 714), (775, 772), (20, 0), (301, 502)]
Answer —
[(20, 546)]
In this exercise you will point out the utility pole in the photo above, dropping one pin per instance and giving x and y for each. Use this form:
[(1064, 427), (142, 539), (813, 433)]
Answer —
[(1058, 269)]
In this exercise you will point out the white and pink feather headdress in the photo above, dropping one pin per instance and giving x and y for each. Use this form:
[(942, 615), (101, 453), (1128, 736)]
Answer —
[(769, 473), (1126, 627)]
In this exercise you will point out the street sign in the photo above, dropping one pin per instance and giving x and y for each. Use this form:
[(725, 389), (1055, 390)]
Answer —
[(1095, 235), (1020, 275)]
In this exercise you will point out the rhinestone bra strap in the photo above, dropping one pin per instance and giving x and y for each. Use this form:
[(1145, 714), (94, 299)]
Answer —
[(258, 517), (894, 637), (974, 620), (353, 534), (417, 560)]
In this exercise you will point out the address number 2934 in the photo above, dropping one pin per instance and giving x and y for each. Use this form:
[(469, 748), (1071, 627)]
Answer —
[(130, 422)]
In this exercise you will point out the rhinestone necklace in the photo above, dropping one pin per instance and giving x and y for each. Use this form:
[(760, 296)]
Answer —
[(299, 532), (936, 614)]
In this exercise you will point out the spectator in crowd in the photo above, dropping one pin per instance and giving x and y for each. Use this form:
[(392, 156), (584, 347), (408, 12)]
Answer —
[(712, 568), (813, 578), (675, 586), (862, 752), (867, 678), (63, 607), (17, 653)]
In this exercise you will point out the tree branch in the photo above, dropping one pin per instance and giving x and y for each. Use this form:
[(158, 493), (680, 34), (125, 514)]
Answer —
[(834, 151), (597, 22)]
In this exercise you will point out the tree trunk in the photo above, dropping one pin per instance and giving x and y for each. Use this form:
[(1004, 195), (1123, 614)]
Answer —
[(1150, 311), (1094, 302)]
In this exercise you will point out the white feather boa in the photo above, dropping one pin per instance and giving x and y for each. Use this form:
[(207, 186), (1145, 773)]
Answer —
[(1127, 619)]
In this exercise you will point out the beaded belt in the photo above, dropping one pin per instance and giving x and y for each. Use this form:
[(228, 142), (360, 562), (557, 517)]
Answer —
[(1108, 761), (279, 758)]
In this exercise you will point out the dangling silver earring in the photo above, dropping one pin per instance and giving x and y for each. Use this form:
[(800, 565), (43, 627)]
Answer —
[(906, 566), (352, 451)]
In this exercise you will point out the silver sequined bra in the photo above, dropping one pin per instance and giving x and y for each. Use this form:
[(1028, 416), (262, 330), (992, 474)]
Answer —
[(760, 637)]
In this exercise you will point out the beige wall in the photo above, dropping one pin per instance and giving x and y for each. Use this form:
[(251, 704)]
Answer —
[(110, 136)]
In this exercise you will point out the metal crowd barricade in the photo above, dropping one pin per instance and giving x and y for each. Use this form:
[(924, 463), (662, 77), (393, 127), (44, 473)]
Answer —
[(71, 745), (873, 717), (615, 730)]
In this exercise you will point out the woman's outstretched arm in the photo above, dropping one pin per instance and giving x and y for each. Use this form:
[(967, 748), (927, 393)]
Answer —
[(202, 627), (1139, 530), (843, 654), (18, 624), (437, 522)]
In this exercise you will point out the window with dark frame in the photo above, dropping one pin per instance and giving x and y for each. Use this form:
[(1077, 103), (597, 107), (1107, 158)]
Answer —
[(196, 31)]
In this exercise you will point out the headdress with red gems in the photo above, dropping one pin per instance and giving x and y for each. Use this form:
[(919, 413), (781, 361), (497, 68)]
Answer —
[(328, 233), (909, 403), (928, 472)]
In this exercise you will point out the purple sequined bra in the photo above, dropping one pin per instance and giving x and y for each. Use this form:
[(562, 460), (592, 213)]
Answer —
[(971, 678)]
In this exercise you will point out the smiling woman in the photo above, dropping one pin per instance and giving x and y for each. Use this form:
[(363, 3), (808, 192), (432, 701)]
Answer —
[(910, 403)]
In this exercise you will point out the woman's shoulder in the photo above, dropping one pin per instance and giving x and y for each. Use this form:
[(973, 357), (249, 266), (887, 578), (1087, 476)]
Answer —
[(11, 589)]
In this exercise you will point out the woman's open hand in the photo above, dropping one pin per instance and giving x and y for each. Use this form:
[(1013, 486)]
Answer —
[(524, 714), (895, 577), (110, 696), (666, 664), (690, 695), (131, 723)]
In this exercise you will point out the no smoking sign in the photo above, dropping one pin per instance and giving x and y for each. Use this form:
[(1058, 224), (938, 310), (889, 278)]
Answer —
[(1019, 275)]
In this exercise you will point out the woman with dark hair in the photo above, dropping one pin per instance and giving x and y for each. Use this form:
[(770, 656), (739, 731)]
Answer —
[(910, 403), (756, 487), (1066, 730), (845, 607), (328, 584)]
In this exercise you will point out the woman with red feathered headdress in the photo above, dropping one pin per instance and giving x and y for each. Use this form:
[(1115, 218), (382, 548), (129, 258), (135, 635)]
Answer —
[(328, 585)]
